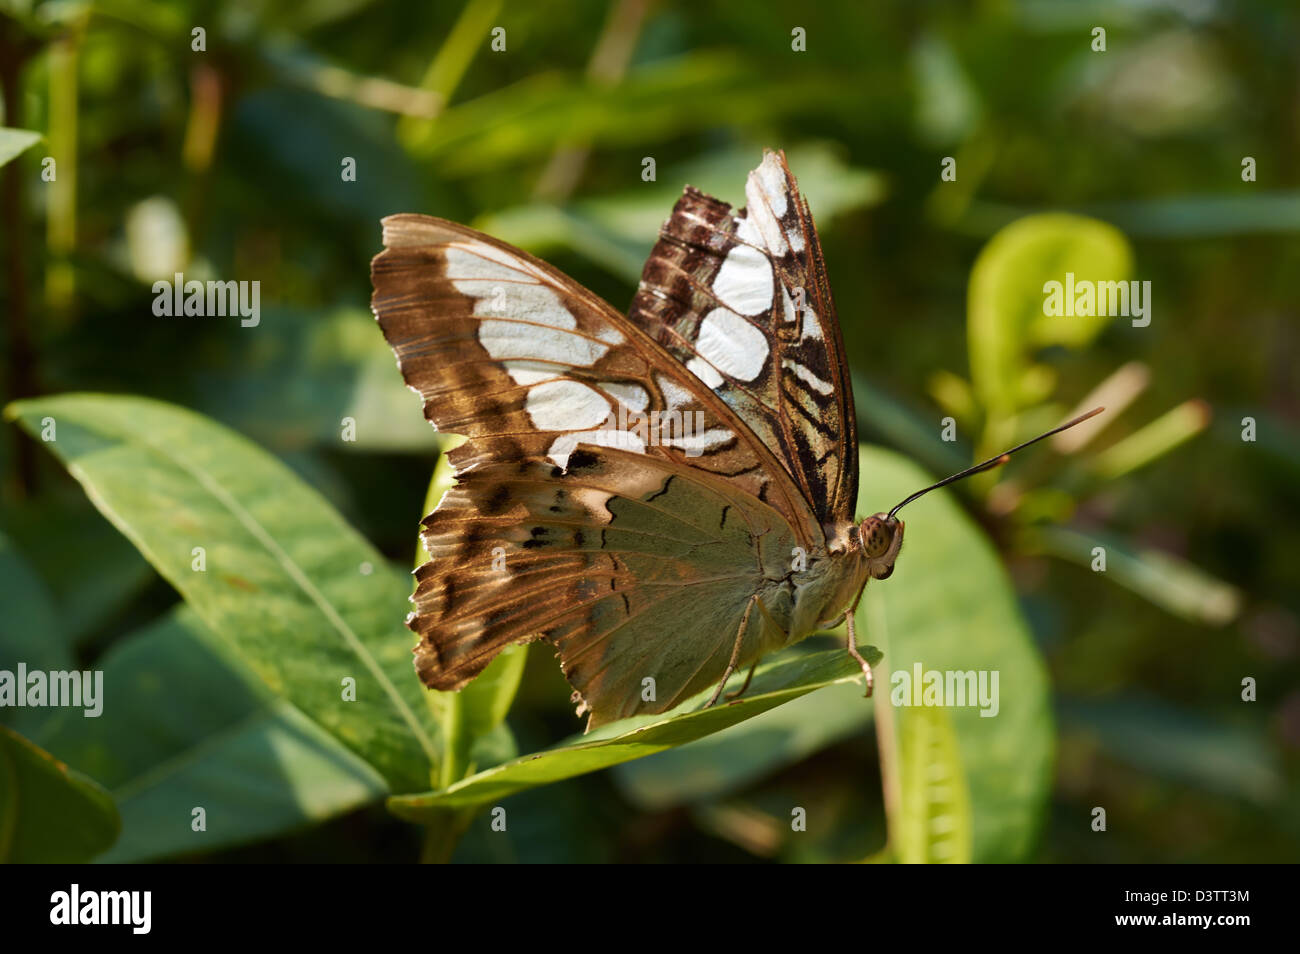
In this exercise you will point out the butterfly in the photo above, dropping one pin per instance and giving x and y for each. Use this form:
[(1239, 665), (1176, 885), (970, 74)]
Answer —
[(664, 496)]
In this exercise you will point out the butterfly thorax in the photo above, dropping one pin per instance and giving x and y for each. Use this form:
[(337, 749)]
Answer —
[(834, 577), (815, 587)]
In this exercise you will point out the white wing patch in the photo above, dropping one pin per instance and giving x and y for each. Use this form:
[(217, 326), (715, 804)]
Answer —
[(525, 373), (632, 396), (565, 405), (732, 345), (504, 340), (705, 372), (808, 378), (522, 316), (744, 282), (563, 445)]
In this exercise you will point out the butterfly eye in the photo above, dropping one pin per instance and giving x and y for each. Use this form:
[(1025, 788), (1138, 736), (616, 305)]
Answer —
[(877, 535)]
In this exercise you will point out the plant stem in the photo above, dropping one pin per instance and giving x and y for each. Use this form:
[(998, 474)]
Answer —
[(441, 835), (61, 220), (891, 782)]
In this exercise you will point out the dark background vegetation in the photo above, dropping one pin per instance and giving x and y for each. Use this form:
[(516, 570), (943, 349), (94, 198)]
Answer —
[(226, 164)]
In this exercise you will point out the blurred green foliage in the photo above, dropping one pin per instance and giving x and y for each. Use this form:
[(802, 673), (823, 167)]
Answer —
[(226, 164)]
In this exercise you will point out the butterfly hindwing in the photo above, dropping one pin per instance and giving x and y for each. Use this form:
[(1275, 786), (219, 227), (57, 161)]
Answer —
[(600, 559), (742, 300)]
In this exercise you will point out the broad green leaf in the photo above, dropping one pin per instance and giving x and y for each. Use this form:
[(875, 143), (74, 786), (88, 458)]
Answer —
[(775, 683), (303, 599), (49, 813), (474, 712), (29, 624), (14, 142), (949, 606), (1005, 318), (935, 812), (184, 725)]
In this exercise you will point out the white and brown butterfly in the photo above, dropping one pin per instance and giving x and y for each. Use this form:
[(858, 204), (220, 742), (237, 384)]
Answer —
[(663, 495)]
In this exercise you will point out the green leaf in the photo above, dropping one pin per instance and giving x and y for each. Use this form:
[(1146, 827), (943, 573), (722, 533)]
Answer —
[(29, 624), (935, 810), (14, 142), (1005, 319), (49, 813), (52, 529), (949, 606), (733, 758), (775, 683), (184, 724), (302, 598)]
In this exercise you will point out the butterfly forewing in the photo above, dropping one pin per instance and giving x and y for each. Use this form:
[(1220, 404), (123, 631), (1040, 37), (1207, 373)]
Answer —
[(742, 300), (528, 364)]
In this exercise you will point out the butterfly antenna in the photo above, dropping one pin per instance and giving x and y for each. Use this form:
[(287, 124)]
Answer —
[(997, 461)]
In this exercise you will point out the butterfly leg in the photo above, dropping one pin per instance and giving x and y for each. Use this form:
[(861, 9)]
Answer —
[(735, 653), (741, 691), (853, 651)]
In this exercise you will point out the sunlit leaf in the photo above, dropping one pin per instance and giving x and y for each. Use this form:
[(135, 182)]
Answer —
[(184, 724), (1005, 301), (301, 597), (774, 683), (14, 142), (935, 810)]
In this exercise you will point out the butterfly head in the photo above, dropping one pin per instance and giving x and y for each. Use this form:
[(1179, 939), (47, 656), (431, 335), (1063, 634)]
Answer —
[(881, 537)]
